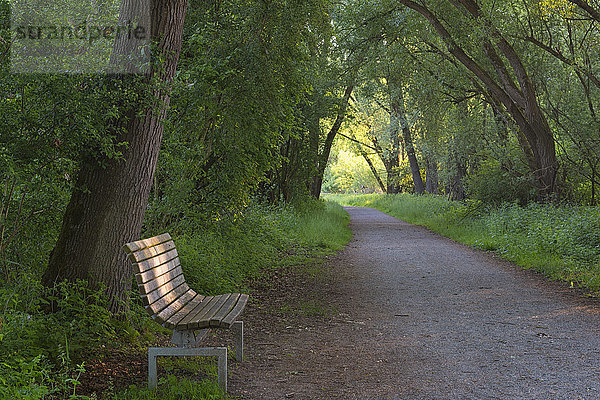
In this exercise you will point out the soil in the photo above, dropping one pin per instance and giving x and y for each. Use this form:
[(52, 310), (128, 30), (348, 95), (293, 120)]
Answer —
[(402, 313)]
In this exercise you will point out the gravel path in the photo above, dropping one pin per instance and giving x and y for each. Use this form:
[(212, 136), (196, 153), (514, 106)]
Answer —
[(402, 313)]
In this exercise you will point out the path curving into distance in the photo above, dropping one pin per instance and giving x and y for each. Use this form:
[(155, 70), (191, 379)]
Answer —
[(417, 316)]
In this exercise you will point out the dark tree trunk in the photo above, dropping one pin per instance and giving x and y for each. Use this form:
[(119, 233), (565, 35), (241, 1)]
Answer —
[(392, 161), (457, 190), (107, 208), (323, 157), (410, 148), (373, 170), (398, 111), (431, 175)]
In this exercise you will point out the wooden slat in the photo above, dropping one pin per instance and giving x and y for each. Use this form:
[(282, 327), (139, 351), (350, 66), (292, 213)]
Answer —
[(151, 282), (235, 312), (188, 320), (191, 308), (156, 261), (202, 320), (165, 314), (142, 244), (167, 299), (215, 320), (177, 285), (150, 252)]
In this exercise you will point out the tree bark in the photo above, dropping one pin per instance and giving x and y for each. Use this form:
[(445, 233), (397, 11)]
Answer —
[(398, 115), (431, 176), (400, 111), (392, 162), (108, 205)]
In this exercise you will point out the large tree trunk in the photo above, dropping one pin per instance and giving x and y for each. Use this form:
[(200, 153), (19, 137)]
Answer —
[(456, 188), (400, 111), (392, 159), (107, 207)]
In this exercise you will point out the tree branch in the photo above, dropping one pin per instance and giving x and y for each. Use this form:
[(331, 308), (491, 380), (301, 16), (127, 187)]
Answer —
[(561, 57)]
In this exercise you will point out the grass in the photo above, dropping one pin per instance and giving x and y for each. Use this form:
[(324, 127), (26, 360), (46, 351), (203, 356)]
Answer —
[(562, 242), (221, 259), (172, 388)]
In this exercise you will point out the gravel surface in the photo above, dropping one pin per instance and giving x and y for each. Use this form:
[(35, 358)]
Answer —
[(402, 313)]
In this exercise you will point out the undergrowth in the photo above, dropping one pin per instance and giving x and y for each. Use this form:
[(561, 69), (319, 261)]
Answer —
[(560, 241)]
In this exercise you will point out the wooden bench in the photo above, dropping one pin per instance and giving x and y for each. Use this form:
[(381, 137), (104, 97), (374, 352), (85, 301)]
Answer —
[(172, 303)]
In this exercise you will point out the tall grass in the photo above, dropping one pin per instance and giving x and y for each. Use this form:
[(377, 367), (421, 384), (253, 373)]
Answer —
[(221, 257), (562, 242)]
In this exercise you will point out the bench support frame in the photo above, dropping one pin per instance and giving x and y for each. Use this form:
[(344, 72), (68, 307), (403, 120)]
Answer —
[(220, 352), (186, 342)]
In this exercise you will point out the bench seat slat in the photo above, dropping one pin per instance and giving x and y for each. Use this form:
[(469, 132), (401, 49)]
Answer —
[(218, 316), (202, 320), (151, 252), (207, 303), (175, 306), (235, 312), (189, 309), (163, 276), (153, 273), (183, 321), (156, 261), (168, 298), (142, 244), (177, 285)]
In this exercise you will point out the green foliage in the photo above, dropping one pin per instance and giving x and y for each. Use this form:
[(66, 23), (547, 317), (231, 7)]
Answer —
[(40, 351), (495, 184), (22, 379), (563, 242), (80, 321)]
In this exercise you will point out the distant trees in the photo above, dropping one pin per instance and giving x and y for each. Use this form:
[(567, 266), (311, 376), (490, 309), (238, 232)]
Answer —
[(482, 80)]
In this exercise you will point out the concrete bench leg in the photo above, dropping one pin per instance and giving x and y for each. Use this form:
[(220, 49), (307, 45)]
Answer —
[(220, 352), (238, 331)]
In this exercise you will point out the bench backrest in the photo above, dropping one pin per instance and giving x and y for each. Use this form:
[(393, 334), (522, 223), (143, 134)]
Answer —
[(159, 276)]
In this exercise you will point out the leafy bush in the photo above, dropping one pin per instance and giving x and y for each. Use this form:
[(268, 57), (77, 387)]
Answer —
[(38, 349), (493, 184)]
